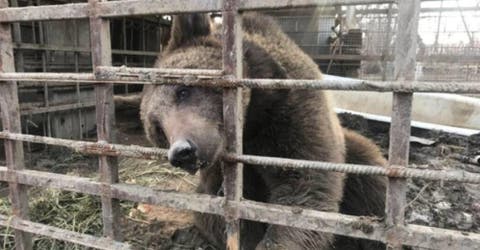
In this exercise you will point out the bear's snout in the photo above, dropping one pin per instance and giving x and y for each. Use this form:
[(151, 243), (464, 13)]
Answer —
[(183, 154)]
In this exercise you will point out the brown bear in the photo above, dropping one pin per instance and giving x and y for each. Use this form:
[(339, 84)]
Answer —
[(290, 123)]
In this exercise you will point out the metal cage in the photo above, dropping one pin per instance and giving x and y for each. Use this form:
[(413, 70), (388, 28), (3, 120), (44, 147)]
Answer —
[(392, 230)]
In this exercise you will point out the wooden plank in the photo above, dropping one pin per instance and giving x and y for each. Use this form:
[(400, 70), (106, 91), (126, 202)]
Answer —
[(11, 122)]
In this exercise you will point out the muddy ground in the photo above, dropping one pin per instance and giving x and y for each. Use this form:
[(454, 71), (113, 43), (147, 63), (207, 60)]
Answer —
[(446, 205)]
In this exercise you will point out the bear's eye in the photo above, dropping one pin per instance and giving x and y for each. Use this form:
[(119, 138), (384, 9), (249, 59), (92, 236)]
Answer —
[(182, 93)]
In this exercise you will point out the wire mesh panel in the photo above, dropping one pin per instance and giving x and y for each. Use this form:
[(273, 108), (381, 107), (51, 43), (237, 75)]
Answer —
[(392, 231)]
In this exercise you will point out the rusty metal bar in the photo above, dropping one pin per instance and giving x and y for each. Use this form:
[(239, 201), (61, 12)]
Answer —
[(152, 7), (395, 171), (211, 78), (150, 153), (361, 227), (11, 122), (34, 46), (77, 84), (288, 4), (195, 202), (405, 63), (105, 118), (17, 38), (96, 148), (232, 119), (61, 234), (49, 109), (386, 44), (46, 98)]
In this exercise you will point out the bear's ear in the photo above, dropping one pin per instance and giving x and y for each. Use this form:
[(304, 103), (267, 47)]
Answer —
[(187, 27)]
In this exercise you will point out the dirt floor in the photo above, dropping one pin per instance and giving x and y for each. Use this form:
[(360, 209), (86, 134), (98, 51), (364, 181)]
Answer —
[(446, 205), (433, 203)]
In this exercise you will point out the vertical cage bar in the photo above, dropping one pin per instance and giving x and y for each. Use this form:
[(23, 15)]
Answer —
[(144, 42), (405, 62), (125, 58), (76, 56), (17, 38), (233, 118), (41, 36), (11, 122), (105, 117), (386, 45)]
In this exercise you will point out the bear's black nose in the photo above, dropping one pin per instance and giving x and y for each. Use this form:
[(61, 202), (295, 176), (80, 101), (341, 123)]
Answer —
[(183, 154)]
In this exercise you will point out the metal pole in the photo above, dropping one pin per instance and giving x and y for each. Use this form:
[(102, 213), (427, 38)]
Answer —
[(386, 44), (405, 56), (233, 118), (105, 117), (11, 122), (77, 85)]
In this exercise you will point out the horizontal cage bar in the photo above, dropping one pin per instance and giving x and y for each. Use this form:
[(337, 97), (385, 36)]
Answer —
[(360, 227), (152, 7), (100, 148), (62, 234), (213, 78)]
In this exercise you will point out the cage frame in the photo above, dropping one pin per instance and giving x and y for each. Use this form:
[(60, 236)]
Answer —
[(393, 231)]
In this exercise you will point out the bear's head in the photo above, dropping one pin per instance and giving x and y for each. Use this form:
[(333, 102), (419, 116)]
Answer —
[(190, 118)]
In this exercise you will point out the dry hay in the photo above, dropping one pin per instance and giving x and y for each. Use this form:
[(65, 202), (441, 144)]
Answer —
[(145, 227)]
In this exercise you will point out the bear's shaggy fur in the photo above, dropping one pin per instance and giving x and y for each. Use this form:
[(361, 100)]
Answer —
[(293, 123)]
